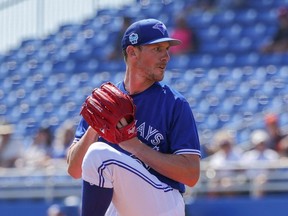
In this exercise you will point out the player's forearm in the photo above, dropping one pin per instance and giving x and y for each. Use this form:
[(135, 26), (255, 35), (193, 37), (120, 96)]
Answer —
[(181, 168), (77, 152)]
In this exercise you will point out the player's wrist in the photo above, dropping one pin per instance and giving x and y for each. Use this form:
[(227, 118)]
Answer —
[(92, 133), (133, 145)]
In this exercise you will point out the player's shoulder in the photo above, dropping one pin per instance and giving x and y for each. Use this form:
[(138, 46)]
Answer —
[(167, 89)]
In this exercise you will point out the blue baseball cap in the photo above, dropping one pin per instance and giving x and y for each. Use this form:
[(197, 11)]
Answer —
[(147, 31)]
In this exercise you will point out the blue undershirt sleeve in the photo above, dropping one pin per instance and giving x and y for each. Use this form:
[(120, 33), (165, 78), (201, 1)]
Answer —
[(95, 200)]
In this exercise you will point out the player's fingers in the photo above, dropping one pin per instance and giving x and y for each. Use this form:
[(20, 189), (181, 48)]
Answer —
[(119, 125), (123, 121)]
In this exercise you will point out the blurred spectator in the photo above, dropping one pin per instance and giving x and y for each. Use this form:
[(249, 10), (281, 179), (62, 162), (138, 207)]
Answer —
[(279, 42), (183, 32), (69, 207), (55, 210), (276, 135), (257, 161), (39, 152), (227, 152), (206, 149), (283, 146), (225, 161), (10, 146), (117, 49), (260, 150), (64, 136)]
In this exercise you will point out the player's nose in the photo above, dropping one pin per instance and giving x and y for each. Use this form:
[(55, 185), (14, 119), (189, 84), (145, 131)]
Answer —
[(166, 57)]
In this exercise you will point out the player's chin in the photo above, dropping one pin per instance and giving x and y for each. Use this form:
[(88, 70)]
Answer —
[(162, 71), (159, 77)]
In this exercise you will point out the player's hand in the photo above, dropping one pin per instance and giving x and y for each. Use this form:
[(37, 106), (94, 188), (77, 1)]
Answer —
[(122, 123)]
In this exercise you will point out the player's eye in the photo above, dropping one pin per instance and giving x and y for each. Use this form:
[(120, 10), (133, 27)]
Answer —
[(158, 49)]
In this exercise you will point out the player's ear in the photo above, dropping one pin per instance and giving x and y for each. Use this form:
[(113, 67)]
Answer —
[(131, 51)]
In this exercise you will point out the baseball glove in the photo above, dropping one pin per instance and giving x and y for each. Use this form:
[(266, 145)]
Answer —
[(106, 109)]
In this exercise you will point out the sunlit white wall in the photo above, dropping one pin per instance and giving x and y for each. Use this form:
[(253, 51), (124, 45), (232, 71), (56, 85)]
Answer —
[(23, 19)]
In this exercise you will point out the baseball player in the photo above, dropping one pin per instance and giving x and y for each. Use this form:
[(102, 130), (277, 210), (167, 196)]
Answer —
[(137, 144)]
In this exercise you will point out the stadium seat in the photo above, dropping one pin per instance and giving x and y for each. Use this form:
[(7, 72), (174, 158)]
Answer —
[(68, 31), (179, 61), (241, 45), (28, 47), (261, 4), (247, 59), (270, 59), (152, 9), (196, 21), (225, 60), (246, 17), (219, 46), (224, 18), (66, 66), (283, 118), (283, 71), (200, 61)]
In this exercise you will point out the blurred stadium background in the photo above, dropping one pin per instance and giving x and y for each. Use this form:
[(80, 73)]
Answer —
[(52, 54)]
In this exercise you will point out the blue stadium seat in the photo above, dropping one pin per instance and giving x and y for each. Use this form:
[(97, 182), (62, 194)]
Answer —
[(208, 34), (200, 61), (219, 46), (203, 107), (241, 45), (247, 59), (246, 17), (66, 66), (179, 61), (153, 9), (112, 66), (172, 7), (90, 65), (268, 16), (197, 21), (78, 80), (130, 11), (78, 50), (270, 59), (100, 78), (283, 119), (212, 122), (243, 135), (261, 5), (224, 18), (225, 60), (231, 32), (30, 46), (283, 70), (118, 76), (68, 31), (109, 12)]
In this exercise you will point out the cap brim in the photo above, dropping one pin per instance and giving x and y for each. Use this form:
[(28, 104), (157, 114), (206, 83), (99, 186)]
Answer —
[(172, 42)]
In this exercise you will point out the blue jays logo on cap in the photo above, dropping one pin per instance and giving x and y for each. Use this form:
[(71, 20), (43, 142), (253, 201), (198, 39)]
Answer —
[(133, 38), (147, 31), (161, 27)]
